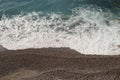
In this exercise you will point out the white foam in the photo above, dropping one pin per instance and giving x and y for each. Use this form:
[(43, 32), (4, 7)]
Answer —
[(87, 31)]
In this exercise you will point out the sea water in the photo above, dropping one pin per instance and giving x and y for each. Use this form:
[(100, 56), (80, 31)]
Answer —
[(87, 26)]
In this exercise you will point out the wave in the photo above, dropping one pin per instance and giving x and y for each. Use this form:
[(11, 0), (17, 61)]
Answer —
[(87, 30)]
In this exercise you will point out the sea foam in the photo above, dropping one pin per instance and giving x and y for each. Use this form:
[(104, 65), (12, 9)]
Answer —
[(88, 31)]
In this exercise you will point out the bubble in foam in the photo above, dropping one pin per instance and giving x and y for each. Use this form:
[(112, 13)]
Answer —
[(87, 31)]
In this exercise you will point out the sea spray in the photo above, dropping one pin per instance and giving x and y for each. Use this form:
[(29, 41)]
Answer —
[(87, 30)]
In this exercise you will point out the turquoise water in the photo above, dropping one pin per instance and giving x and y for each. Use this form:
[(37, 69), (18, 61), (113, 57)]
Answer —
[(88, 26), (13, 7)]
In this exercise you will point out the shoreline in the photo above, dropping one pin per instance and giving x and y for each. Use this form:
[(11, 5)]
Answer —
[(55, 64)]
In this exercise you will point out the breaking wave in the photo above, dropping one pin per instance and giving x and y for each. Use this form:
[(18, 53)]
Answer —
[(87, 30)]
